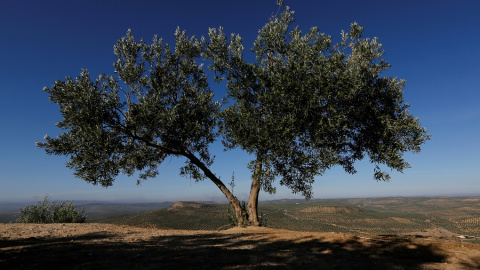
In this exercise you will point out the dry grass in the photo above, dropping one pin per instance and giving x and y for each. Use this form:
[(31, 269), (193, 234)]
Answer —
[(106, 246)]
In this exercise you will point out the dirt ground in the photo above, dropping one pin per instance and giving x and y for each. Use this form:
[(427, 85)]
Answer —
[(106, 246)]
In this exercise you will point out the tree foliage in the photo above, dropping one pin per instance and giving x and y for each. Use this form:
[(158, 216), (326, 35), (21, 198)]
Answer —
[(301, 107), (306, 105), (164, 108)]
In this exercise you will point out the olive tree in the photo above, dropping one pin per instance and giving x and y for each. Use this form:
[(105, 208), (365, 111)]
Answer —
[(301, 107)]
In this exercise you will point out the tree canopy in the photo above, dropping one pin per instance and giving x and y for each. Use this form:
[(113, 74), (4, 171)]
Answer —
[(301, 107)]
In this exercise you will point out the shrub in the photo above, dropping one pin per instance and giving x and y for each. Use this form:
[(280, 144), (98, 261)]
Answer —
[(43, 212), (232, 218)]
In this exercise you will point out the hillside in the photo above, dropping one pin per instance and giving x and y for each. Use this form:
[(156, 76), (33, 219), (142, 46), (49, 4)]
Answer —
[(374, 233), (454, 216), (375, 216)]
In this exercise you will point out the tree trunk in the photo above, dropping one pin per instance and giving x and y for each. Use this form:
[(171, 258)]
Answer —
[(239, 213), (234, 202), (253, 199)]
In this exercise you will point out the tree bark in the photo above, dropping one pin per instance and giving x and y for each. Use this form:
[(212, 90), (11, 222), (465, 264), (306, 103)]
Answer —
[(239, 213), (253, 199)]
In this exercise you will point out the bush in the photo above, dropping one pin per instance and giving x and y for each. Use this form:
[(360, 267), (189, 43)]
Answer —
[(43, 212), (232, 218)]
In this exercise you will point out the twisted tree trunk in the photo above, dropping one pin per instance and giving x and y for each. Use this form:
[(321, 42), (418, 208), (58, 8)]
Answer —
[(234, 202)]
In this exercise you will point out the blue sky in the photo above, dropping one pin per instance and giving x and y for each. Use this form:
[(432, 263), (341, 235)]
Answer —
[(434, 45)]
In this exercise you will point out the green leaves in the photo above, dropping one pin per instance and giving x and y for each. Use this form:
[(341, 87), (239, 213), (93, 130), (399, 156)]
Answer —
[(306, 105), (130, 123), (128, 66), (45, 212)]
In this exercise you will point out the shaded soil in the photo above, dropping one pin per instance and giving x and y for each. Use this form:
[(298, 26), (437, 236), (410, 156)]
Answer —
[(106, 246)]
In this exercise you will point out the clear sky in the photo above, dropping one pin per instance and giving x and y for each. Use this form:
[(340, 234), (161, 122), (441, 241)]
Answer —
[(433, 44)]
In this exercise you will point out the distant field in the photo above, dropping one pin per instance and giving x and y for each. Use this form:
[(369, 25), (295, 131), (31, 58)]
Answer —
[(379, 216), (8, 217), (96, 212), (105, 211)]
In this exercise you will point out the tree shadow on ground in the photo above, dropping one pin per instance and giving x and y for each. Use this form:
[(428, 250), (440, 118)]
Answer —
[(214, 251)]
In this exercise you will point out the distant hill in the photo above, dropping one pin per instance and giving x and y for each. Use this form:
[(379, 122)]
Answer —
[(102, 212), (182, 216)]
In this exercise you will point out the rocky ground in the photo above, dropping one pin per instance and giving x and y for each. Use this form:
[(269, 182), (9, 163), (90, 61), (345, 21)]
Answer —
[(106, 246)]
